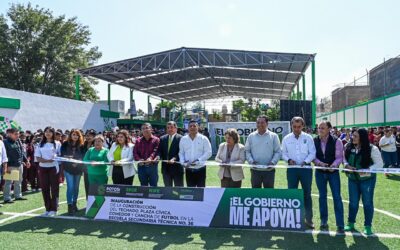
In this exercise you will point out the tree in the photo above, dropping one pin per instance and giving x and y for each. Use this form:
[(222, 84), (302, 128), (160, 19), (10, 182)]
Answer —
[(216, 114), (165, 104), (296, 96), (238, 106), (274, 111), (140, 112), (250, 109), (40, 52)]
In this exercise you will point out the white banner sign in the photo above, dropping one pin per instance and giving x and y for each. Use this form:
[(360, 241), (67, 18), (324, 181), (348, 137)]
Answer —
[(163, 112), (217, 130), (280, 209)]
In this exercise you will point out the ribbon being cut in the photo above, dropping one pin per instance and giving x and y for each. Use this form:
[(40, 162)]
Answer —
[(259, 167)]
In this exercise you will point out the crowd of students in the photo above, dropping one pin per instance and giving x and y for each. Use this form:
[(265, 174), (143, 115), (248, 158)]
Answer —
[(186, 155)]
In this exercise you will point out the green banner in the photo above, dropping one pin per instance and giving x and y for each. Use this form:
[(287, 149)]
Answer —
[(260, 208)]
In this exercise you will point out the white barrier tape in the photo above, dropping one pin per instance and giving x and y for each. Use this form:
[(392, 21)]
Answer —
[(256, 167)]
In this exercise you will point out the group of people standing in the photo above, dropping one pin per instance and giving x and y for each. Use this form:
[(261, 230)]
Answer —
[(186, 157), (301, 149)]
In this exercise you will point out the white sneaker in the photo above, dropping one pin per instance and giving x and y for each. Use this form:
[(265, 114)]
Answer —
[(45, 214), (52, 213)]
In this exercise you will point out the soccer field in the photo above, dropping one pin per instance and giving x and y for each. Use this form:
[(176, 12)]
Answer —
[(21, 228)]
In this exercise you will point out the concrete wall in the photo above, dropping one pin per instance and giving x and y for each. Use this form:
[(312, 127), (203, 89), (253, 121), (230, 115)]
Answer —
[(349, 96), (38, 111)]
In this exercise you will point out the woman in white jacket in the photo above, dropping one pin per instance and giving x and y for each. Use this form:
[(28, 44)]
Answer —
[(121, 152), (231, 152)]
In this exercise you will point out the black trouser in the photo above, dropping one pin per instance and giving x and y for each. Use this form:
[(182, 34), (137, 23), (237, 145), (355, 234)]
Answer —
[(228, 182), (33, 175), (175, 179), (118, 177), (24, 184), (196, 178), (265, 178)]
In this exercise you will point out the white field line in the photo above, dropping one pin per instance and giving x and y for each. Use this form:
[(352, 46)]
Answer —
[(38, 215), (331, 233), (394, 216), (29, 212)]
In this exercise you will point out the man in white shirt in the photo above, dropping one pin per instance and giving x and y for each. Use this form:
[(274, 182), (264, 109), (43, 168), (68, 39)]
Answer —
[(388, 149), (194, 151), (298, 149), (263, 148)]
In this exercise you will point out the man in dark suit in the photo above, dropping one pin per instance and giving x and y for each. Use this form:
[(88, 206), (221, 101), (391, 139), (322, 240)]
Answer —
[(168, 150)]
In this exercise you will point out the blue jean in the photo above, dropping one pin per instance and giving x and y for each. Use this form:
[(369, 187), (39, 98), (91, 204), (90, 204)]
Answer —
[(389, 158), (72, 187), (304, 176), (148, 175), (322, 179), (365, 190)]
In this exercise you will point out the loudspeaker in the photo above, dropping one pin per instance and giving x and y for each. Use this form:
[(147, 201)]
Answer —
[(291, 108)]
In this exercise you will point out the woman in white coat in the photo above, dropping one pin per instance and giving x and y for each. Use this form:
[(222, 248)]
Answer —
[(122, 151), (231, 152)]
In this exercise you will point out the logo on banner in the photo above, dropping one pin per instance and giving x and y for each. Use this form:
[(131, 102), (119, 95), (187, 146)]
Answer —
[(101, 190), (113, 190)]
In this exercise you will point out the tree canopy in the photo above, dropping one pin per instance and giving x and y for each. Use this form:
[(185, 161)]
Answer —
[(40, 52), (250, 109)]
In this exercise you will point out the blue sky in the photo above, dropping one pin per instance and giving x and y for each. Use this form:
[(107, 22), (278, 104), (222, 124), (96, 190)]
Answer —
[(348, 36)]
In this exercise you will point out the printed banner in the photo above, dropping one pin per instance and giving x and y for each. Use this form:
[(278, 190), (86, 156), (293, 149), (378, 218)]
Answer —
[(217, 130), (132, 109), (163, 112), (278, 209)]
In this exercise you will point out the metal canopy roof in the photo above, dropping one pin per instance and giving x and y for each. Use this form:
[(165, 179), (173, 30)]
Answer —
[(192, 74)]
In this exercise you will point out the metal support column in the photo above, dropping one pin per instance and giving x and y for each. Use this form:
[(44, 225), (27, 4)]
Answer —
[(304, 87), (148, 107), (162, 106), (314, 102), (109, 97), (130, 101)]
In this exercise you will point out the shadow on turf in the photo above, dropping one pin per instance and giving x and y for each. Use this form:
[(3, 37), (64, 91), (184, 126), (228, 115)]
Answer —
[(164, 236), (394, 177), (24, 194)]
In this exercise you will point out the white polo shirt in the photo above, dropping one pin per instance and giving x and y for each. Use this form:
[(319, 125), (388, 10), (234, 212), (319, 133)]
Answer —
[(301, 149)]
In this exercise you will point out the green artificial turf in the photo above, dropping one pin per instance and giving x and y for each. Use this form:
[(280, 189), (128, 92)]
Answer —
[(48, 233)]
